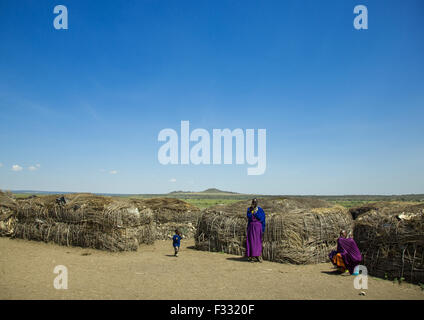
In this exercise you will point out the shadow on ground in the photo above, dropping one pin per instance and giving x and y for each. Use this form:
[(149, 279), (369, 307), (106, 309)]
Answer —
[(239, 259), (333, 273)]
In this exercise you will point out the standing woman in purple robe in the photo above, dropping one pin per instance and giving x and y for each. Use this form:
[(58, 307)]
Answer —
[(255, 231)]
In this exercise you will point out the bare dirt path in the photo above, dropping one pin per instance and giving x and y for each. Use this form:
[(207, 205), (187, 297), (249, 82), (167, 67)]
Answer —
[(26, 272)]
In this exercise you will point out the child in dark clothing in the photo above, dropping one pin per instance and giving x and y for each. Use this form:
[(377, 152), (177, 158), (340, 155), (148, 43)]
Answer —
[(176, 242)]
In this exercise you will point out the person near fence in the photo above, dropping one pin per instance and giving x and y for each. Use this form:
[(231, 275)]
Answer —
[(347, 256), (255, 231), (176, 242)]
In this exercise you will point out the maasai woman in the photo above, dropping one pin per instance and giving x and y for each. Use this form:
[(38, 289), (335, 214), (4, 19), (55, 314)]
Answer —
[(255, 231), (347, 255)]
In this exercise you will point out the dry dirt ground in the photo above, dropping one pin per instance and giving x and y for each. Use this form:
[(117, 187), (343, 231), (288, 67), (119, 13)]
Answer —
[(26, 272)]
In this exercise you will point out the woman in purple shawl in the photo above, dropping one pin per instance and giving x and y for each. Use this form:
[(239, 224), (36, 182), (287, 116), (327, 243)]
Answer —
[(255, 231), (347, 255)]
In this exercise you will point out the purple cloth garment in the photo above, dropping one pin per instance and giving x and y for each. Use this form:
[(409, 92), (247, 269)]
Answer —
[(254, 238), (349, 251)]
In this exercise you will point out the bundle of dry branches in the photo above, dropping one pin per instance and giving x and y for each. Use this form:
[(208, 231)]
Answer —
[(7, 214), (391, 239), (114, 224), (96, 221), (298, 230), (170, 214)]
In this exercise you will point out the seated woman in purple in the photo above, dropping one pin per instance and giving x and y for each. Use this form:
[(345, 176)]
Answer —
[(255, 231), (347, 255)]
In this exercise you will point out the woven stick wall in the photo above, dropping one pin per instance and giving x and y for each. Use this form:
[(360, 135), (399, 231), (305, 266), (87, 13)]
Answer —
[(170, 214), (7, 214), (299, 231), (391, 239), (86, 220)]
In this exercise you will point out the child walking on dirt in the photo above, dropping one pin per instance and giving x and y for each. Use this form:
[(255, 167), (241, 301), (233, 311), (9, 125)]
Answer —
[(176, 241)]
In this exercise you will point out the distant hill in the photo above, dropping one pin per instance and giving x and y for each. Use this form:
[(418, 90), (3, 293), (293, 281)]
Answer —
[(179, 191), (208, 191), (215, 190)]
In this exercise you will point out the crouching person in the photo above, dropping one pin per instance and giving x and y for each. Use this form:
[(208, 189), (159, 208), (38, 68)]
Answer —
[(347, 256)]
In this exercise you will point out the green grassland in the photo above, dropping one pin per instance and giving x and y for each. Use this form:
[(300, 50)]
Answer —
[(206, 203), (212, 197)]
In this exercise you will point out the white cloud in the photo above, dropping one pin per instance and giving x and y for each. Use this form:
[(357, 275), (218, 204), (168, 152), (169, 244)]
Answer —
[(34, 168), (16, 167), (113, 172), (173, 180), (1, 164)]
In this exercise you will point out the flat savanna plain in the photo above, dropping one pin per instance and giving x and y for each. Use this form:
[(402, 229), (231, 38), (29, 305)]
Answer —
[(211, 197), (26, 272), (26, 269)]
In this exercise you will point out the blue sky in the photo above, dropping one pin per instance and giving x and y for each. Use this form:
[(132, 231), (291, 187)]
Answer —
[(343, 108)]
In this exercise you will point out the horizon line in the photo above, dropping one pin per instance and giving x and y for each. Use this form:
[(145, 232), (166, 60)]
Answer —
[(228, 192)]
